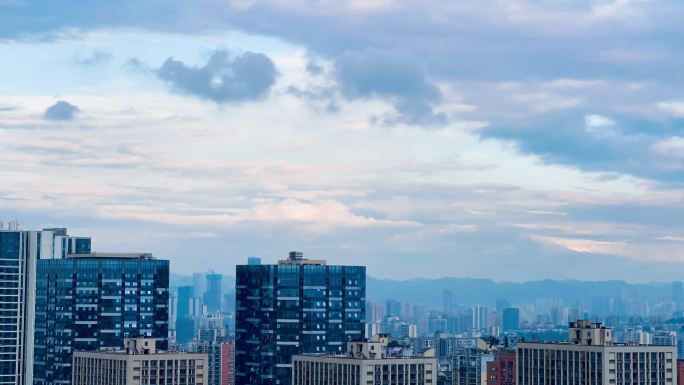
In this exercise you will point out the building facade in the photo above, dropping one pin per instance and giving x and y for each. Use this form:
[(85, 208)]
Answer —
[(501, 371), (139, 363), (19, 254), (297, 306), (469, 366), (91, 302), (228, 363), (591, 358), (212, 296), (365, 363), (511, 319)]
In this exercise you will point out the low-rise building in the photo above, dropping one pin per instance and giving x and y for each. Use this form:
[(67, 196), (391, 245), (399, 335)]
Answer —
[(366, 363), (139, 363), (501, 371), (591, 357)]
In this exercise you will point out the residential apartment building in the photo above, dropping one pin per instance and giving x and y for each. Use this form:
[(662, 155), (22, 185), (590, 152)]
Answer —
[(89, 302), (139, 363), (365, 363), (592, 358), (297, 306)]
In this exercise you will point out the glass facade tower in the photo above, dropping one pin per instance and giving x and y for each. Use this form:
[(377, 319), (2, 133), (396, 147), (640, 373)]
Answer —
[(19, 253), (92, 302), (212, 297), (297, 306)]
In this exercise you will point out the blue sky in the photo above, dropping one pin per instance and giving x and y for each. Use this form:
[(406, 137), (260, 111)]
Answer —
[(507, 139)]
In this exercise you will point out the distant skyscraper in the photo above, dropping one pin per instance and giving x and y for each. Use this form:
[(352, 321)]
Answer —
[(479, 317), (92, 302), (212, 296), (184, 298), (447, 300), (185, 330), (677, 294), (511, 319), (393, 308), (297, 306), (199, 284), (19, 255)]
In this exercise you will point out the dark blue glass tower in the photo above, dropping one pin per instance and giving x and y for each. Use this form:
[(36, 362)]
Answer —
[(297, 306), (92, 302)]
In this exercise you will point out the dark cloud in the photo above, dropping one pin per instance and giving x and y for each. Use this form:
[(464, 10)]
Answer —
[(93, 58), (314, 68), (392, 75), (6, 108), (61, 111), (627, 146), (224, 78)]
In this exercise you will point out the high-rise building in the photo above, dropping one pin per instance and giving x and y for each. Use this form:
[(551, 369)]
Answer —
[(393, 308), (20, 252), (297, 306), (87, 302), (185, 330), (199, 284), (479, 317), (212, 296), (591, 353), (511, 319), (366, 363), (677, 294), (184, 297), (447, 300), (139, 363)]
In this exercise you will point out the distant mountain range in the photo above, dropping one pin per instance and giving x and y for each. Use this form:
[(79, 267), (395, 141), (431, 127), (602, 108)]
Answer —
[(472, 291)]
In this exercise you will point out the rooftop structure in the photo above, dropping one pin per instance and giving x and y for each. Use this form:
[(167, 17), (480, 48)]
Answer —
[(366, 363), (593, 354), (112, 255), (297, 258)]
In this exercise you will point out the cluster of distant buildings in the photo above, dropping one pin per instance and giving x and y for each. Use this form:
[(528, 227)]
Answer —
[(69, 315)]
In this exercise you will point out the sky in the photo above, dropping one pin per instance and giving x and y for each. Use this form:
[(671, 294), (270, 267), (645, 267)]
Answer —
[(506, 139)]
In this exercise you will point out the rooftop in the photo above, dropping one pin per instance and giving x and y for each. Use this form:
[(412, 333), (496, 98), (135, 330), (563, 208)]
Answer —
[(113, 255), (297, 258)]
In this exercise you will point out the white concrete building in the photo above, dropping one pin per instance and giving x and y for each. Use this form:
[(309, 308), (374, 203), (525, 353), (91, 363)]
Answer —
[(366, 363), (140, 363), (592, 358)]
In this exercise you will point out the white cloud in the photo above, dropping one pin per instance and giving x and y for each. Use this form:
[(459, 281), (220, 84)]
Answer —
[(593, 121), (673, 108), (673, 147)]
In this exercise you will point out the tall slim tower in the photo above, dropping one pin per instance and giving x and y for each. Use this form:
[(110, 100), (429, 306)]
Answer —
[(19, 254), (297, 306), (212, 297)]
